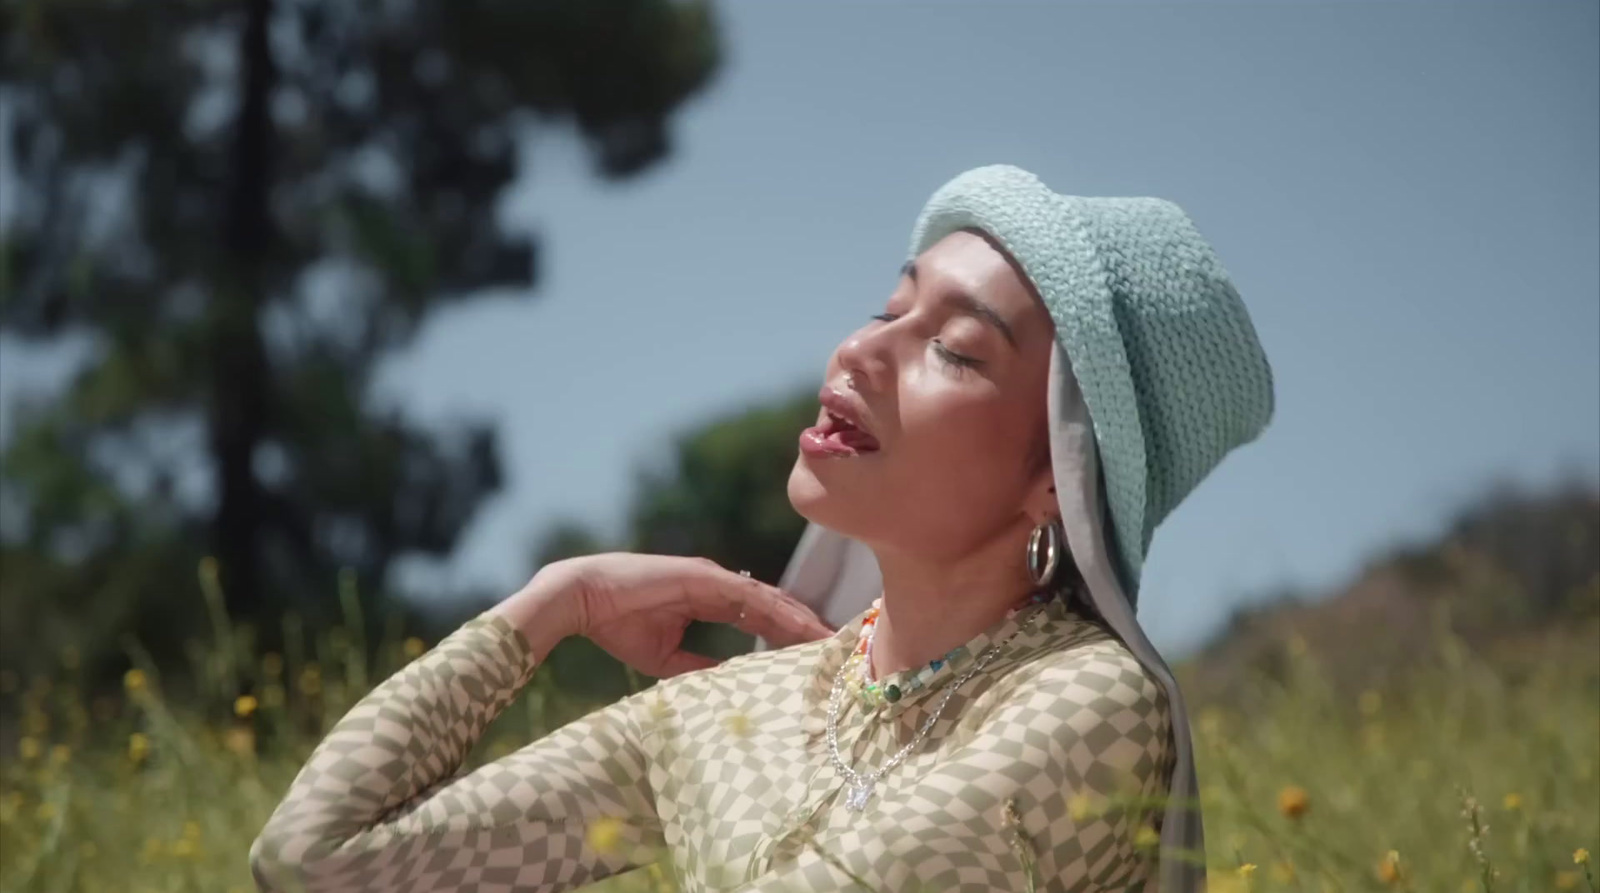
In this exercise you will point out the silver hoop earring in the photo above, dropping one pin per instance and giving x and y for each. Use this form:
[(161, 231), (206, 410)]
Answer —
[(1044, 552)]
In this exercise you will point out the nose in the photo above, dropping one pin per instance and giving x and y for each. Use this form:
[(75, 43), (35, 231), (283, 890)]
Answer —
[(869, 358)]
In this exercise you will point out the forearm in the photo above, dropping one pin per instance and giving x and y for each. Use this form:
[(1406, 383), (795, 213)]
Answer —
[(352, 807)]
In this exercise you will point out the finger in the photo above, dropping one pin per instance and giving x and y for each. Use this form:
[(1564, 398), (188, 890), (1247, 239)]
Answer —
[(714, 593), (808, 623), (778, 617), (685, 662)]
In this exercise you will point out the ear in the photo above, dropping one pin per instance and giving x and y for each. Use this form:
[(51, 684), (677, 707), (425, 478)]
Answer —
[(1040, 503)]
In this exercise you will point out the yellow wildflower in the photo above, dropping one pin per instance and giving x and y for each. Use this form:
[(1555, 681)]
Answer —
[(1389, 867), (28, 748), (191, 830), (660, 710), (414, 647), (1580, 856), (45, 811), (1293, 801), (1081, 807), (738, 724), (133, 681), (605, 835), (183, 848), (138, 748), (1566, 880), (244, 705), (240, 741), (1512, 802), (1146, 838), (1247, 870), (311, 680)]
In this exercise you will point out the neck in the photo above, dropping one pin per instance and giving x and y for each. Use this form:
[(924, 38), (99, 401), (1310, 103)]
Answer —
[(931, 606)]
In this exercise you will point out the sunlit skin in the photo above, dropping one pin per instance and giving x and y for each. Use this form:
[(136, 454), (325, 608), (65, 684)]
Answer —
[(963, 475)]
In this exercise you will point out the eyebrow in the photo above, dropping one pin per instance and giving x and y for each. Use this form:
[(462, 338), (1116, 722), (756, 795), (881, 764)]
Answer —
[(970, 306)]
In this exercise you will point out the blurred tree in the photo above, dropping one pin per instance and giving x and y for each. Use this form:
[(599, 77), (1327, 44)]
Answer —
[(242, 208), (725, 494)]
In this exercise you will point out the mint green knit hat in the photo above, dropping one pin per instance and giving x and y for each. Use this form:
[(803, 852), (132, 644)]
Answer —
[(1162, 347)]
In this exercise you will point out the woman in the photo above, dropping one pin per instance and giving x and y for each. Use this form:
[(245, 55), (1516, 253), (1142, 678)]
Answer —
[(1050, 377)]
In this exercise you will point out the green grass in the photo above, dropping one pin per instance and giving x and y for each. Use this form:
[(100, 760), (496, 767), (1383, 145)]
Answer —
[(1304, 787)]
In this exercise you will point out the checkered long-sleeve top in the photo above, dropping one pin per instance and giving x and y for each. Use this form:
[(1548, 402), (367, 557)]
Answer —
[(1030, 778)]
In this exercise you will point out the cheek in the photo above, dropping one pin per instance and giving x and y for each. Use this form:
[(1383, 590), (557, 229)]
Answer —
[(961, 433)]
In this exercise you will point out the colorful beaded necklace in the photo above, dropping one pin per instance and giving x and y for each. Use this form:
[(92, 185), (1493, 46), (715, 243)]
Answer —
[(869, 688)]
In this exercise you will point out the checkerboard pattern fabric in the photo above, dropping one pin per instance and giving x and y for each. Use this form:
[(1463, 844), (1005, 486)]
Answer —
[(1059, 750)]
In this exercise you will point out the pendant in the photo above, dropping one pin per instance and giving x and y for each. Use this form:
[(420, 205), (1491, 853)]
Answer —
[(857, 801)]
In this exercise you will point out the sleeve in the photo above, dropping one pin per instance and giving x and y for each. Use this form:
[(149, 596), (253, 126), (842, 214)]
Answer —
[(1059, 790), (380, 805)]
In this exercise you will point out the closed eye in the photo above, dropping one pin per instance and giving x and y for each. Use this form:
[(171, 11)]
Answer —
[(955, 359), (960, 361)]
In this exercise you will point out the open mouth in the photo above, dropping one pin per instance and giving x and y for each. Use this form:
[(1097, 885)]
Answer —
[(836, 435), (846, 432)]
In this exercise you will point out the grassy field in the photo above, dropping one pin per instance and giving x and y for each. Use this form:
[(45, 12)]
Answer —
[(1471, 773)]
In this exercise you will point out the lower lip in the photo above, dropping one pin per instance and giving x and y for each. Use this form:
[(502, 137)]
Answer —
[(814, 443)]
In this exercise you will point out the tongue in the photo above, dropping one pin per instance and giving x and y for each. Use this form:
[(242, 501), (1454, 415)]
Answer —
[(855, 438)]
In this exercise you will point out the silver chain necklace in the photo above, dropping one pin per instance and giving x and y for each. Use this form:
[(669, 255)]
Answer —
[(861, 784)]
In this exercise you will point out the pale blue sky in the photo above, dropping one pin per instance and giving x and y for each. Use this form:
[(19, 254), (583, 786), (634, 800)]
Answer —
[(1407, 195)]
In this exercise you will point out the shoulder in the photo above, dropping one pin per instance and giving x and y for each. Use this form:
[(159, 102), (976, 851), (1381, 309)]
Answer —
[(1092, 697), (1101, 674)]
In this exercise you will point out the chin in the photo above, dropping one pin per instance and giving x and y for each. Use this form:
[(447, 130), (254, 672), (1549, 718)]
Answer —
[(806, 493), (837, 509)]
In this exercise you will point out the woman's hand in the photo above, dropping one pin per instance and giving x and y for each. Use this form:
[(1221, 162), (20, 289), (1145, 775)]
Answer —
[(637, 606)]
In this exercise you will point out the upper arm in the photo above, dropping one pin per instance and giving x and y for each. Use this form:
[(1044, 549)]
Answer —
[(1089, 727)]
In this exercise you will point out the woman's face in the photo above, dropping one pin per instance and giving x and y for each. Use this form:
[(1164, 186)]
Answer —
[(949, 383)]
